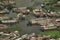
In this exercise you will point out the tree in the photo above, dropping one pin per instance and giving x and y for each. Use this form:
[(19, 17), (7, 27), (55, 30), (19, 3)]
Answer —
[(9, 7), (31, 8)]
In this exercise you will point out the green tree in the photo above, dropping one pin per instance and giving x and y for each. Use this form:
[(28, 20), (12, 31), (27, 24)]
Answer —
[(31, 8)]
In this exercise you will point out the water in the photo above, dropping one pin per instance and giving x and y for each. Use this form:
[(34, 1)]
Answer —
[(27, 3), (23, 24)]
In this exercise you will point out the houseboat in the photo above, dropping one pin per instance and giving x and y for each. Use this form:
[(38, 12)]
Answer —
[(3, 26), (5, 11), (58, 3), (23, 10), (16, 10), (43, 37), (39, 13), (49, 27), (4, 17), (41, 21), (1, 3), (9, 2), (58, 22), (10, 21)]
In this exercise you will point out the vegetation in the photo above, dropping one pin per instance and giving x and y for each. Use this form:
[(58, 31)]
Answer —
[(50, 1), (11, 29), (52, 8), (9, 7), (31, 8), (1, 15), (49, 5), (54, 34), (3, 36)]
